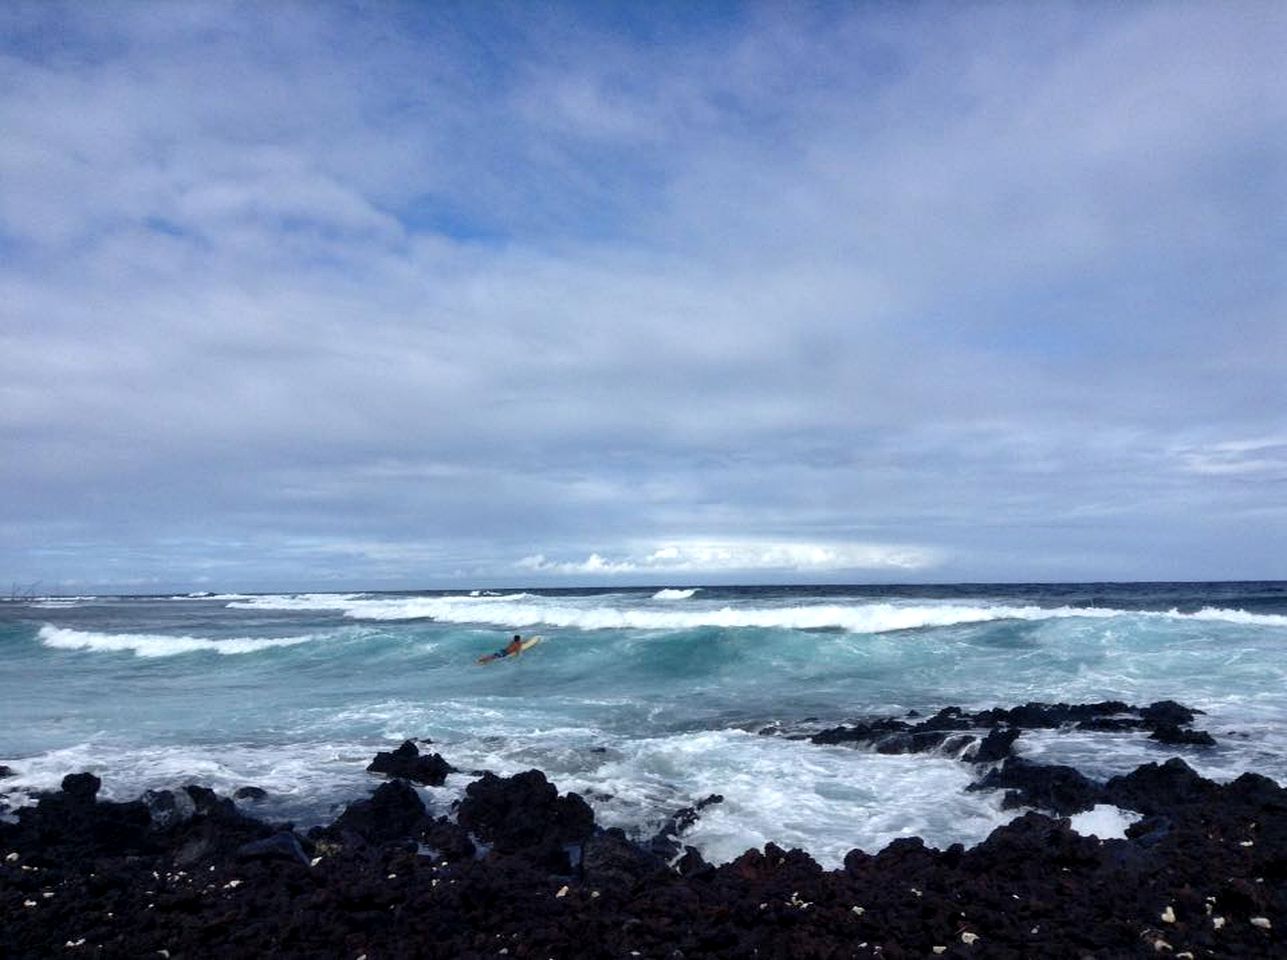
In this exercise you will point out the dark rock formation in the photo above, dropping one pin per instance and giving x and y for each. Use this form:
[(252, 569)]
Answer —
[(1205, 874), (996, 746), (407, 763), (665, 842), (523, 811), (250, 793), (1058, 789), (392, 812), (1170, 733)]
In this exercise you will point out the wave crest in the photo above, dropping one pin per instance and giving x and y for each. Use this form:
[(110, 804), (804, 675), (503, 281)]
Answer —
[(159, 645)]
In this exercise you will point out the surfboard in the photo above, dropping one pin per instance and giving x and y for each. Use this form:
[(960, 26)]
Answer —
[(527, 644)]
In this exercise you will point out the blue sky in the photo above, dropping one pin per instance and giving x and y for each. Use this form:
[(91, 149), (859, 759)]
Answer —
[(446, 294)]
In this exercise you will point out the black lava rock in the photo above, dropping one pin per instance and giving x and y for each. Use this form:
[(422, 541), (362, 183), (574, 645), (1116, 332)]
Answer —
[(407, 763), (393, 812), (1170, 733), (1057, 789), (996, 745), (523, 811), (81, 787)]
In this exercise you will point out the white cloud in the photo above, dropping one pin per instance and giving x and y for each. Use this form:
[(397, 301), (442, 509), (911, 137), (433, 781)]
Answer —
[(716, 557)]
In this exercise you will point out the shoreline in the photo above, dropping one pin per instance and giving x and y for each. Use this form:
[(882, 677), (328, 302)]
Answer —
[(518, 869)]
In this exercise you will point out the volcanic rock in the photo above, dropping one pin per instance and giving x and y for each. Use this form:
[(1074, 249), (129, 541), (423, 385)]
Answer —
[(407, 763)]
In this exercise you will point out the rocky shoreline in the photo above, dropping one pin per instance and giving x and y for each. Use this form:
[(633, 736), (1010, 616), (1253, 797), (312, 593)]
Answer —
[(517, 869)]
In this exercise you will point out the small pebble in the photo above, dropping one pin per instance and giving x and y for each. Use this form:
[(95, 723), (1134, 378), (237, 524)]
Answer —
[(1261, 922), (12, 858), (1247, 843), (1168, 915), (858, 911), (939, 949), (29, 903), (1217, 922), (968, 938), (563, 892)]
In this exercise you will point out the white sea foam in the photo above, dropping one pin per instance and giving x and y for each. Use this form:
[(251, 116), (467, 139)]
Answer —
[(670, 594), (1104, 821), (159, 645), (589, 613), (307, 780), (827, 800)]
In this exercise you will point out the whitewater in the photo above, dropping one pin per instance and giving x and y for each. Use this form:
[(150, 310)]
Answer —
[(642, 700)]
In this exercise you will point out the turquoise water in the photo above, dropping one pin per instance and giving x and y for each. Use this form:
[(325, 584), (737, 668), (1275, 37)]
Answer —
[(643, 700)]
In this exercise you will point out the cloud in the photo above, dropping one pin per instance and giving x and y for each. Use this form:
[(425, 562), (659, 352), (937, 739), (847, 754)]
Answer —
[(439, 288), (707, 558)]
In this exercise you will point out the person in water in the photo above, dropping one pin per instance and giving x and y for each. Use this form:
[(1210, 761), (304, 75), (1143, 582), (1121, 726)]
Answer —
[(513, 647)]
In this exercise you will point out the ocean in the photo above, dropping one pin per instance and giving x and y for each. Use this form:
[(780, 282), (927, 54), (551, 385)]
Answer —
[(642, 700)]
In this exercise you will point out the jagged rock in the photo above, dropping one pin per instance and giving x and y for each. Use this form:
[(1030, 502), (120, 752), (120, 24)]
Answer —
[(1168, 711), (1170, 733), (665, 842), (609, 859), (392, 812), (168, 808), (523, 811), (280, 846), (859, 733), (448, 841), (1058, 789), (406, 763), (996, 745), (1160, 789), (81, 787)]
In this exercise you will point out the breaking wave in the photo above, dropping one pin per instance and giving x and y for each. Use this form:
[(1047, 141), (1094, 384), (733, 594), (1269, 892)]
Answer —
[(159, 645), (593, 613), (675, 594)]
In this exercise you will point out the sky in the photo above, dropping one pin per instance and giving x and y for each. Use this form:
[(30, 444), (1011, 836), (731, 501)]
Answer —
[(433, 295)]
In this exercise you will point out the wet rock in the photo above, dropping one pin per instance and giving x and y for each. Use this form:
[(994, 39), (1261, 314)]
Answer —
[(523, 811), (1168, 711), (1057, 789), (168, 808), (280, 846), (448, 841), (250, 793), (392, 812), (665, 842), (407, 763), (996, 746), (6, 772), (1160, 789), (610, 859), (81, 787), (1172, 734), (859, 733)]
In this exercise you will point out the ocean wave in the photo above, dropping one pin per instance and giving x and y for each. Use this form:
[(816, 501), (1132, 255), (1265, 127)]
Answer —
[(670, 594), (531, 610), (1235, 616), (159, 645)]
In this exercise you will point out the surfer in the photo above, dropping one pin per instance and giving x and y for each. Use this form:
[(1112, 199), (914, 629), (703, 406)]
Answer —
[(511, 648)]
